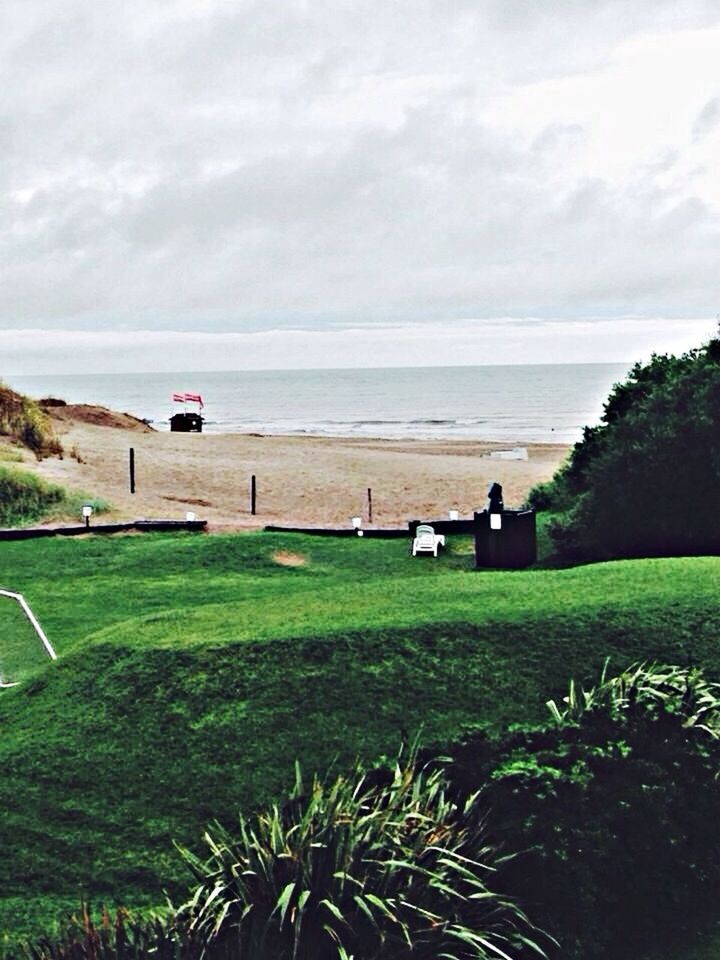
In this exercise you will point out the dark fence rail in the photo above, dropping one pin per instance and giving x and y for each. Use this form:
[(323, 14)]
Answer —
[(32, 533), (381, 533), (459, 527)]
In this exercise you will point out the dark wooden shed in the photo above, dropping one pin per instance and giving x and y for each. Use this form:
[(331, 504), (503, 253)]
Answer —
[(186, 423), (509, 541)]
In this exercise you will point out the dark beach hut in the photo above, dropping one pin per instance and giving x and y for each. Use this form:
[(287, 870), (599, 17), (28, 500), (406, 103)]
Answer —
[(186, 422)]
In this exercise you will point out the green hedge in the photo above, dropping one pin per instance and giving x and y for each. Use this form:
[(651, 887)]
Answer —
[(615, 807), (645, 481)]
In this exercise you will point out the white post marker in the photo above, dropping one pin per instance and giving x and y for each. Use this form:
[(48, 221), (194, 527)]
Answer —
[(24, 606)]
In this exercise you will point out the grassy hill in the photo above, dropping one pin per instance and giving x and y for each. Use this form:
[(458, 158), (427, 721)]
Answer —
[(194, 670)]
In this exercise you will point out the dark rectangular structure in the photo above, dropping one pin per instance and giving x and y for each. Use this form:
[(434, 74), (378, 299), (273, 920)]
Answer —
[(186, 423), (145, 526), (512, 547)]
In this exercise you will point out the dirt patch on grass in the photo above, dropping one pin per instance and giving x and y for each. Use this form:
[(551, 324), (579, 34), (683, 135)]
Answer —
[(287, 559)]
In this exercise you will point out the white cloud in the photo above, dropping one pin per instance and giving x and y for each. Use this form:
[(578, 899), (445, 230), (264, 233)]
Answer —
[(228, 166), (500, 340)]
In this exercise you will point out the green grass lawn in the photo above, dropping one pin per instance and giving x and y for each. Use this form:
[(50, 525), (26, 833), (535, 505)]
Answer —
[(21, 650), (193, 671)]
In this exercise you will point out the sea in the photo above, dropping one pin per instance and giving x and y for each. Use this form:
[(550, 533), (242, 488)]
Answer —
[(514, 404)]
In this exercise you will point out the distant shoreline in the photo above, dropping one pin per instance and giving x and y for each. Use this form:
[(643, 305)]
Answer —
[(518, 405), (99, 415)]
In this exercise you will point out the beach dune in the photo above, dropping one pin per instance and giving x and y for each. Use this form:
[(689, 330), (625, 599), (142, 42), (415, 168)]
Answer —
[(300, 480)]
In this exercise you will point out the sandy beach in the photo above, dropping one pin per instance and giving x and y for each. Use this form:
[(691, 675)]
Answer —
[(300, 480)]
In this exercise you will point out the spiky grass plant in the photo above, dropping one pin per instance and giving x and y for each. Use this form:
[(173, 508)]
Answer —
[(655, 688), (108, 936), (374, 865)]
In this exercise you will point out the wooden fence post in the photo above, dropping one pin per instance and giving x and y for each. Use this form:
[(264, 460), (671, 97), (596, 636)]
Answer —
[(253, 495), (369, 505), (132, 470)]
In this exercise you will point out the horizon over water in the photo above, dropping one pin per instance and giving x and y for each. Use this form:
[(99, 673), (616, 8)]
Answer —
[(521, 403)]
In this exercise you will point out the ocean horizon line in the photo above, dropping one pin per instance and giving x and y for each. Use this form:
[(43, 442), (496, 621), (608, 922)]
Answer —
[(358, 369), (509, 402)]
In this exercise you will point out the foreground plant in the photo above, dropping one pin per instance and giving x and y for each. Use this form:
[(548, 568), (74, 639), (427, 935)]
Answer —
[(109, 936), (615, 803), (654, 689), (375, 865)]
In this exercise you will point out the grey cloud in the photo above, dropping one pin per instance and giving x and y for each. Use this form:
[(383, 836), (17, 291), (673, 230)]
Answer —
[(240, 165), (558, 136), (708, 118)]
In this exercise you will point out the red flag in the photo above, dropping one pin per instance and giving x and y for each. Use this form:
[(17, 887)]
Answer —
[(195, 398), (178, 398)]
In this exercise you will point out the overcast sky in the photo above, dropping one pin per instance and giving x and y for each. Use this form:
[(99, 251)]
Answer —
[(219, 184)]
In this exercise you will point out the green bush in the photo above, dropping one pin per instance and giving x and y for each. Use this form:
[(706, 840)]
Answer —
[(24, 498), (371, 866), (645, 482), (108, 936), (615, 804), (23, 419)]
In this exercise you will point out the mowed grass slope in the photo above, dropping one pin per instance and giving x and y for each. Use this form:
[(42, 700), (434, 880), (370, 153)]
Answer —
[(21, 650), (194, 670)]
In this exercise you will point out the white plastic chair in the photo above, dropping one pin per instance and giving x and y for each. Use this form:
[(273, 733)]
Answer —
[(427, 541)]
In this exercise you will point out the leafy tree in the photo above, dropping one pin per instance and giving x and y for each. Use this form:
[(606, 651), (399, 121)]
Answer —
[(646, 481)]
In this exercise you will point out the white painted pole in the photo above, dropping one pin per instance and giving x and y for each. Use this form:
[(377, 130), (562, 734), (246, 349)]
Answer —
[(33, 620)]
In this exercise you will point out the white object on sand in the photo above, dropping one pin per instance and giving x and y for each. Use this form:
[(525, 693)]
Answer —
[(517, 453)]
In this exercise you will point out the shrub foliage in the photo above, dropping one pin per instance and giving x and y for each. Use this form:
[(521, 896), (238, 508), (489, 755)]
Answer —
[(645, 481), (371, 866), (25, 497), (109, 936), (615, 804), (23, 419)]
